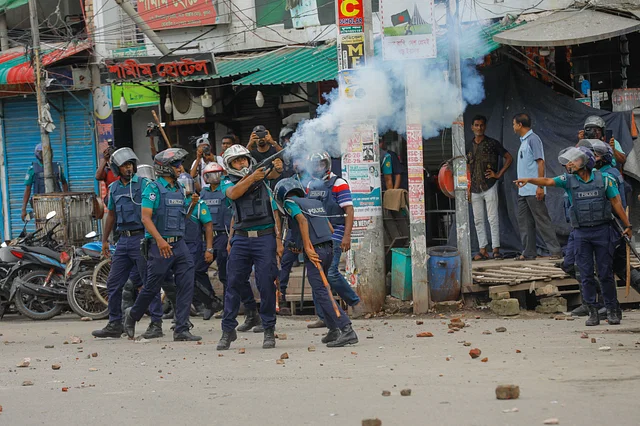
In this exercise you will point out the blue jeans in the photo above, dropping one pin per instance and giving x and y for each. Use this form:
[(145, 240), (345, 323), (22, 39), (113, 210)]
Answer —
[(338, 282), (246, 252)]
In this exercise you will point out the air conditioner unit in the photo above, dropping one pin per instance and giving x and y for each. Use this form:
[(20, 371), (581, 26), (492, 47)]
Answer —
[(223, 12), (296, 90), (186, 103)]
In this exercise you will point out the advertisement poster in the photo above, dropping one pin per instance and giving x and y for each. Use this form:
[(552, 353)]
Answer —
[(408, 29), (168, 14), (136, 94), (416, 173), (350, 16), (103, 112), (351, 51), (363, 170)]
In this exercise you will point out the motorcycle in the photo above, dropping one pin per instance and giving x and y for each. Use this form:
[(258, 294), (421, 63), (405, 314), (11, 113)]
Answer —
[(41, 293), (15, 263), (79, 276)]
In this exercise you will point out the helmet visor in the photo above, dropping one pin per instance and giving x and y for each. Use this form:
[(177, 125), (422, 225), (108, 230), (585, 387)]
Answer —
[(187, 183), (572, 157)]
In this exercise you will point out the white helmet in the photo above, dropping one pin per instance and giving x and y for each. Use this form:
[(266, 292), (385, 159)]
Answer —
[(286, 131), (237, 151), (319, 158), (212, 173)]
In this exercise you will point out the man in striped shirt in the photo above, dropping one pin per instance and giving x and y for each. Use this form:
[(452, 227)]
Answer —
[(335, 194)]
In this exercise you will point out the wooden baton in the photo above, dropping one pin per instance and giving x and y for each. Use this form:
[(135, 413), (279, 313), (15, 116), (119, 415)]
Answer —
[(164, 135), (628, 280), (326, 285)]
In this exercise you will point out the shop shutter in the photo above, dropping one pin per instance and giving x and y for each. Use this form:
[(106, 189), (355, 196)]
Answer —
[(72, 142)]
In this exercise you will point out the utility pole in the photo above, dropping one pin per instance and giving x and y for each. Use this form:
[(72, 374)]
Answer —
[(144, 27), (42, 99), (366, 259), (460, 162)]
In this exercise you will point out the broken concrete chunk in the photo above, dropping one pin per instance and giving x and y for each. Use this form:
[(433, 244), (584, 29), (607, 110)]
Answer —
[(425, 334), (501, 329), (386, 393), (371, 422), (475, 353), (505, 307), (547, 291), (56, 367), (25, 363), (500, 295), (552, 305), (405, 392)]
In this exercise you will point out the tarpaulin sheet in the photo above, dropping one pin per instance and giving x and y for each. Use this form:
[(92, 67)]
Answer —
[(556, 119)]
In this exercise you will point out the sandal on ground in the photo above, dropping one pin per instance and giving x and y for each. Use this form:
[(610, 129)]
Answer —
[(480, 257), (498, 255)]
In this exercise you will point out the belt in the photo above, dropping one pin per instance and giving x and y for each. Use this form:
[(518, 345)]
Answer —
[(131, 233), (325, 244), (254, 234), (170, 240), (216, 233)]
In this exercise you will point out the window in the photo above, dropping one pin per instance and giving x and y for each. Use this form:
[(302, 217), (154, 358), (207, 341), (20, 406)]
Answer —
[(130, 34)]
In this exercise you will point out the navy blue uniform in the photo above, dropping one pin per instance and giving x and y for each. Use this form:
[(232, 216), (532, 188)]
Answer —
[(169, 211), (125, 202)]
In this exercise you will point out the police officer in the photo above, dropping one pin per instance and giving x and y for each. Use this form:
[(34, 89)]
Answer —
[(164, 209), (595, 128), (255, 242), (124, 206), (35, 178), (311, 232), (221, 215), (335, 195), (199, 221), (593, 196)]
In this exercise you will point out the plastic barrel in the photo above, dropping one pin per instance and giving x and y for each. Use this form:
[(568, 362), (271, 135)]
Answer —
[(444, 273)]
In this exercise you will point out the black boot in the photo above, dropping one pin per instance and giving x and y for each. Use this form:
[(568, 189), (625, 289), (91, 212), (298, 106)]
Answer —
[(185, 336), (212, 308), (269, 341), (129, 324), (602, 313), (347, 337), (226, 339), (154, 331), (113, 329), (331, 336), (580, 311), (593, 319), (612, 317), (258, 329), (251, 320)]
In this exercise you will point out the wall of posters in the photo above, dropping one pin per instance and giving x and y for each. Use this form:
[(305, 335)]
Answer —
[(408, 29)]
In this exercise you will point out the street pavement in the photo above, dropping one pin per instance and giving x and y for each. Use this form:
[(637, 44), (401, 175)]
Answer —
[(560, 374)]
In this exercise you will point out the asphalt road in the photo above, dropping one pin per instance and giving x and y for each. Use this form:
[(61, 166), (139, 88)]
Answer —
[(560, 375)]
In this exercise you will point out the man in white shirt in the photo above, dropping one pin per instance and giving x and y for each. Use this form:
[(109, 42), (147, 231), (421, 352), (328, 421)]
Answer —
[(204, 155)]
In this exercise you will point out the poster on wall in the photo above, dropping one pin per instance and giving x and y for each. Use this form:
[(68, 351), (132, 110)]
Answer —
[(103, 112), (408, 29)]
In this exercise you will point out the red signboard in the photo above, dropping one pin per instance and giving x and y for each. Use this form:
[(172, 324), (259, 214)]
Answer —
[(168, 14), (350, 16)]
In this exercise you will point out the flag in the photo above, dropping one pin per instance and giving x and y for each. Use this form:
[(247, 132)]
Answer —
[(401, 18)]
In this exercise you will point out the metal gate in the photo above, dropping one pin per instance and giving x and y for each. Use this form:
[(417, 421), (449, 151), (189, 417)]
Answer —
[(72, 143)]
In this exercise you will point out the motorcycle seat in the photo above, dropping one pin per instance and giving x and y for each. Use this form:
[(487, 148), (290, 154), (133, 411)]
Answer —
[(44, 251)]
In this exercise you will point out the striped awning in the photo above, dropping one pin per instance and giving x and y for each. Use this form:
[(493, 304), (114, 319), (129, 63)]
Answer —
[(16, 67)]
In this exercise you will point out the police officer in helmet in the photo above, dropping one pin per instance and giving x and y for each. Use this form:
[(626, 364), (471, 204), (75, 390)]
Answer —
[(595, 128), (198, 223), (124, 212), (255, 242), (164, 209), (35, 178), (312, 233), (593, 197), (221, 214)]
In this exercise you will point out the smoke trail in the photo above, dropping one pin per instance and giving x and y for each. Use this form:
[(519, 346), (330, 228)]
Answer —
[(383, 84)]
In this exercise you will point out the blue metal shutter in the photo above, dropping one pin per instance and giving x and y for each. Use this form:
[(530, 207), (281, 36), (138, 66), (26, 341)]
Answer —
[(21, 135), (72, 142), (79, 131)]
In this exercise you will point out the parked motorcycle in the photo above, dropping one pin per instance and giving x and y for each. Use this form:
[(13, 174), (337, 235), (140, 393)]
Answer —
[(79, 275), (41, 293), (22, 256)]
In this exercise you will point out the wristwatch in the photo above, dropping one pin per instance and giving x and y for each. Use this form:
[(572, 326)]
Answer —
[(210, 250)]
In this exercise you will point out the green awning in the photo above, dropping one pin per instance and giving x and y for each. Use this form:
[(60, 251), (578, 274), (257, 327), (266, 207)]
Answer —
[(11, 4), (285, 66)]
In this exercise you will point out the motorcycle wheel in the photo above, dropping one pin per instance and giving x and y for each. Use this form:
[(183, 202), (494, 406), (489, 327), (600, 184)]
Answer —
[(99, 280), (35, 307), (82, 298)]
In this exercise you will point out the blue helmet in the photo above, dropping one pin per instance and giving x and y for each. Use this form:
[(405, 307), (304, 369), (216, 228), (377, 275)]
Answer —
[(287, 187), (591, 159), (38, 151)]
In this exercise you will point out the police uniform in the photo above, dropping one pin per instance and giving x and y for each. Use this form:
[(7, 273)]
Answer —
[(169, 211), (322, 190), (289, 257), (221, 214), (194, 228), (253, 244), (125, 201), (321, 237), (590, 213), (35, 177)]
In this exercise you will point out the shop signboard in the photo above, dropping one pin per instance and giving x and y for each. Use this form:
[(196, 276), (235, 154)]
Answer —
[(171, 14), (408, 29), (154, 68)]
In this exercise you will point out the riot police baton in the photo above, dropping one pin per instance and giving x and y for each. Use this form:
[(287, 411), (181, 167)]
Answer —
[(620, 229)]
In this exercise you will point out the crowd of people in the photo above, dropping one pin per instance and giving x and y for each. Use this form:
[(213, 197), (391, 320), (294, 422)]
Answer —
[(595, 203), (248, 210)]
